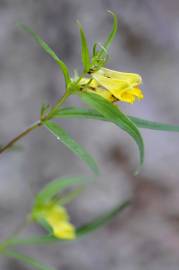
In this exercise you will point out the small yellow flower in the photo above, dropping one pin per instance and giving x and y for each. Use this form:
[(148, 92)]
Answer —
[(91, 85), (123, 86), (57, 217), (114, 85)]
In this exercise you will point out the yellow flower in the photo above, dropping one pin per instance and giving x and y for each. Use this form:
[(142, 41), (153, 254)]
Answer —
[(91, 85), (57, 217), (114, 85), (122, 86)]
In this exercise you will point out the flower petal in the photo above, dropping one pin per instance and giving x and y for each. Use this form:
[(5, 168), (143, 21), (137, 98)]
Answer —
[(138, 93), (111, 84), (55, 213), (64, 230), (88, 83), (57, 217), (132, 78), (104, 93), (127, 97)]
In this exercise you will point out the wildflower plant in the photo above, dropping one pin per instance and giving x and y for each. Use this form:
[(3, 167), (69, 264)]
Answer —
[(102, 89)]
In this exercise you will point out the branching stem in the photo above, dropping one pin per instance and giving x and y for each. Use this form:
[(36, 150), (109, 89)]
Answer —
[(36, 124), (20, 136)]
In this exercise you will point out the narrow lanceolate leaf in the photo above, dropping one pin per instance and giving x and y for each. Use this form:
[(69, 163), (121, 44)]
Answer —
[(76, 148), (114, 115), (95, 48), (73, 112), (56, 186), (110, 37), (33, 240), (102, 220), (142, 123), (84, 49), (35, 264), (89, 227), (48, 50)]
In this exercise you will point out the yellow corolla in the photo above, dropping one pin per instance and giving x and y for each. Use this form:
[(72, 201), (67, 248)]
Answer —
[(57, 217), (91, 85), (115, 86)]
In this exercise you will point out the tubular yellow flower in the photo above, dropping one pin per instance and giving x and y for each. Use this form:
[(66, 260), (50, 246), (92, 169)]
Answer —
[(57, 217), (113, 85), (91, 85), (122, 86)]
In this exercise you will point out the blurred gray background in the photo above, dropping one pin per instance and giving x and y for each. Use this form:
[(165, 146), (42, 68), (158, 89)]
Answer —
[(146, 236)]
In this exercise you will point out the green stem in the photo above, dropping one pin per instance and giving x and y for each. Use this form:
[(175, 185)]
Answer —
[(36, 124), (56, 106), (21, 135), (7, 242)]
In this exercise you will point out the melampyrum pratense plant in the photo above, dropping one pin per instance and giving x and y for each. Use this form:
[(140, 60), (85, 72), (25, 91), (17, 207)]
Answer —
[(100, 88)]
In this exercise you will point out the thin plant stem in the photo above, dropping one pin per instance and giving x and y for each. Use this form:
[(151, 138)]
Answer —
[(56, 106), (20, 136), (27, 221), (36, 124)]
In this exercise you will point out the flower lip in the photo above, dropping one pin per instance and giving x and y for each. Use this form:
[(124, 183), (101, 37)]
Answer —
[(114, 85), (123, 86), (58, 219)]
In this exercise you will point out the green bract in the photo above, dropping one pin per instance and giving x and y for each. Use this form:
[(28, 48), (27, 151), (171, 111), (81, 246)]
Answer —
[(99, 52), (84, 50), (100, 56), (56, 186)]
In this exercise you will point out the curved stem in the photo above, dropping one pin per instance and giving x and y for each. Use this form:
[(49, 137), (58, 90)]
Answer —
[(36, 124), (7, 242), (21, 135)]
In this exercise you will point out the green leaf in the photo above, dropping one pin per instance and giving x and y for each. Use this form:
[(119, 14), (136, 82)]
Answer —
[(95, 48), (56, 186), (41, 221), (66, 199), (89, 227), (84, 49), (26, 260), (142, 123), (110, 37), (76, 148), (114, 115), (73, 112), (44, 109), (102, 220), (33, 240), (48, 50)]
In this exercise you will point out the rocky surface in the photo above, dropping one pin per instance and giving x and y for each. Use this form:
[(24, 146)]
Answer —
[(146, 236)]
